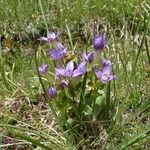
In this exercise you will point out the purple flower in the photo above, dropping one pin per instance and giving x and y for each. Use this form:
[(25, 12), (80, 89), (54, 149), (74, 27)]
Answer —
[(52, 93), (51, 36), (87, 56), (64, 84), (106, 62), (99, 42), (58, 52), (43, 68), (105, 74), (70, 70)]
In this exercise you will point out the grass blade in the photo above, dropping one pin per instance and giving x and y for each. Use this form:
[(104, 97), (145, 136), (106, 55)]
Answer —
[(146, 25), (34, 131), (147, 50), (31, 140), (4, 76), (70, 37), (134, 139)]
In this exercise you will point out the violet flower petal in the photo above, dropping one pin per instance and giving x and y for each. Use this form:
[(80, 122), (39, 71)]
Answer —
[(70, 66), (112, 77), (106, 62), (62, 49), (55, 54), (87, 56), (69, 69), (77, 73), (81, 69), (98, 73), (60, 71), (43, 38), (43, 68), (58, 52), (104, 77), (64, 84), (59, 46), (51, 36), (90, 57), (107, 70)]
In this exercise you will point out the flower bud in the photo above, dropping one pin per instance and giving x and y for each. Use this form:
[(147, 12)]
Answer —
[(99, 42), (52, 93)]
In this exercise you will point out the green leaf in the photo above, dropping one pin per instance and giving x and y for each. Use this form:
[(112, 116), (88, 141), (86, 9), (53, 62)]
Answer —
[(88, 111), (98, 105), (87, 106)]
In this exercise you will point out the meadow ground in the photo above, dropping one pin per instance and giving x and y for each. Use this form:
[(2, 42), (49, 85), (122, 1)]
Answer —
[(26, 122)]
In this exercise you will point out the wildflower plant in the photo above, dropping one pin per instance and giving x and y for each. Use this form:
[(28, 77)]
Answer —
[(80, 95)]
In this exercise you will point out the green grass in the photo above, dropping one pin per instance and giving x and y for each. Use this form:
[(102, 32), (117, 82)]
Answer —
[(24, 113)]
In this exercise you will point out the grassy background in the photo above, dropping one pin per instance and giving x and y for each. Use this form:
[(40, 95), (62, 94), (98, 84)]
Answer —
[(125, 24)]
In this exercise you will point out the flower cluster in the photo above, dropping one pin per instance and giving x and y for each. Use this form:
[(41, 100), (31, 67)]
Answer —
[(75, 69)]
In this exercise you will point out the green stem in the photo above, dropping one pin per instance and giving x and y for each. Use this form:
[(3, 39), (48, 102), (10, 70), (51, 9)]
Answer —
[(40, 3), (147, 50), (108, 99)]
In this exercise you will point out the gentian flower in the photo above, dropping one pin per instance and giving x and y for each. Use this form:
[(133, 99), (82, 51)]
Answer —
[(43, 69), (58, 52), (99, 42), (105, 74), (51, 36), (52, 93), (70, 70), (87, 56), (64, 84), (106, 62)]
